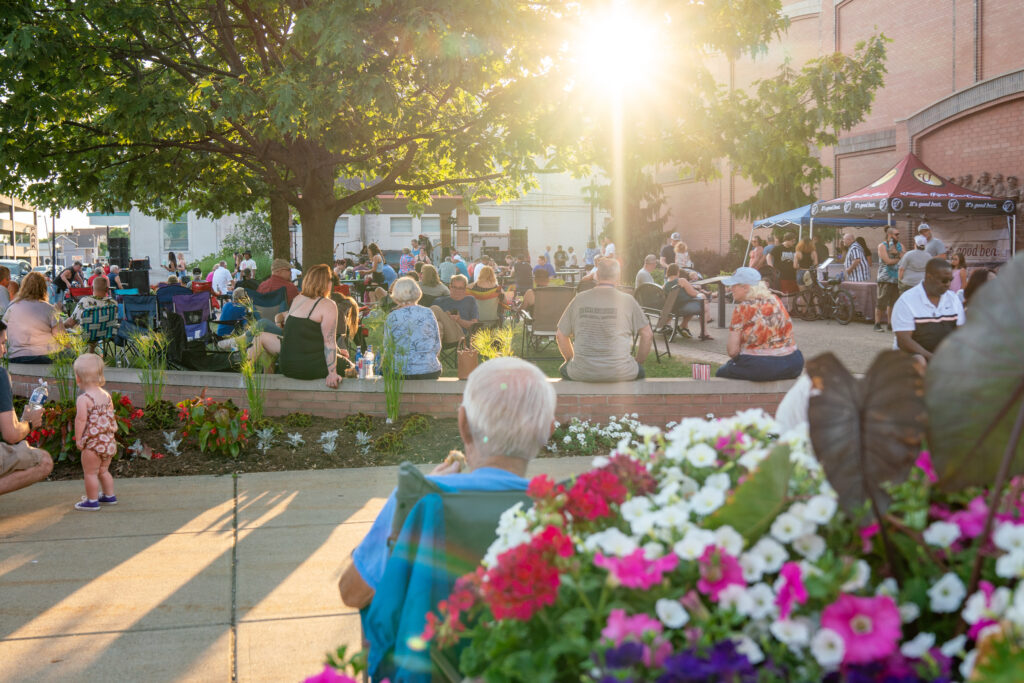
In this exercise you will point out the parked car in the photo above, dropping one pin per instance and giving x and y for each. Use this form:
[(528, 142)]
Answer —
[(18, 268)]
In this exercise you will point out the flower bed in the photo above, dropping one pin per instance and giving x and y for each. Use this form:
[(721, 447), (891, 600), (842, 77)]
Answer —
[(717, 551)]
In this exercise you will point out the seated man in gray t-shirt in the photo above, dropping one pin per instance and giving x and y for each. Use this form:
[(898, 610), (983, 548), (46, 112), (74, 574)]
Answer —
[(595, 333)]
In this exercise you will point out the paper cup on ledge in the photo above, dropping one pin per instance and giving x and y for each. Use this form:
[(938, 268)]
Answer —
[(701, 371)]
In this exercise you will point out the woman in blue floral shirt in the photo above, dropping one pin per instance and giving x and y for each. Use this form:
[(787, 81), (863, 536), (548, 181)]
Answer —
[(417, 338)]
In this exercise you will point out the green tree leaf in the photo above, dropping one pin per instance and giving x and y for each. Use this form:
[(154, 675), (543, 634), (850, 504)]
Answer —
[(755, 503)]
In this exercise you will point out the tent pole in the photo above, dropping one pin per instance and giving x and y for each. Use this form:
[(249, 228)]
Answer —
[(812, 228), (747, 252)]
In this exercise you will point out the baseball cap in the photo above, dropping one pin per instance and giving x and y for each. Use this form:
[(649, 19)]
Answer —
[(923, 226), (675, 236), (456, 258), (742, 276), (920, 240)]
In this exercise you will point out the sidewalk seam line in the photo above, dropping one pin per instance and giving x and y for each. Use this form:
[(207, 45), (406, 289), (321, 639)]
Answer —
[(150, 629), (234, 584)]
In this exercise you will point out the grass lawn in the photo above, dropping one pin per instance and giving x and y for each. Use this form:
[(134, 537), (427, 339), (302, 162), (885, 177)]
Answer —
[(667, 367)]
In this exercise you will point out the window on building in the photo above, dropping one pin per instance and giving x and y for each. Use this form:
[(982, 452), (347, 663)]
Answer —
[(488, 223), (175, 236), (341, 228), (401, 225), (431, 224)]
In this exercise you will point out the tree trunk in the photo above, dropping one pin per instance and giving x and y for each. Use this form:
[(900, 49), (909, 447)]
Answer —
[(279, 237), (317, 235)]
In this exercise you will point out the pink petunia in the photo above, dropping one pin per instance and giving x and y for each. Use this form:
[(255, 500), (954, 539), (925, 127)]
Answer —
[(329, 675), (635, 570), (866, 535), (620, 626), (792, 589), (972, 520), (718, 571), (870, 627), (924, 462)]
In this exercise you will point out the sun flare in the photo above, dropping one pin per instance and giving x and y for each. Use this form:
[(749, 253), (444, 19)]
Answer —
[(618, 48)]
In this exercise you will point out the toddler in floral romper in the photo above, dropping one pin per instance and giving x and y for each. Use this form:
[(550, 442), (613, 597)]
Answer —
[(95, 432)]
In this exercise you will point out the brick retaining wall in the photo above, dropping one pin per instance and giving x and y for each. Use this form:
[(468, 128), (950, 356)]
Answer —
[(656, 401)]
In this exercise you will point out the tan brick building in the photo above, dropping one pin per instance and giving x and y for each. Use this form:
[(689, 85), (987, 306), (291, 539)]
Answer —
[(954, 95)]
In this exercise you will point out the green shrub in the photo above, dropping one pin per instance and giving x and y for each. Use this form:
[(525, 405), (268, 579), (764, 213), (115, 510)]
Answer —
[(415, 424), (296, 420), (359, 422), (389, 443)]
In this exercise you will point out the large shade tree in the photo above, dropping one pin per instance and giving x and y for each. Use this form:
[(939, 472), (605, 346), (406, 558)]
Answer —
[(322, 105)]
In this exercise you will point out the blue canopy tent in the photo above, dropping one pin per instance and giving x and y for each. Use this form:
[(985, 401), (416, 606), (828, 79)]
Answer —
[(798, 218)]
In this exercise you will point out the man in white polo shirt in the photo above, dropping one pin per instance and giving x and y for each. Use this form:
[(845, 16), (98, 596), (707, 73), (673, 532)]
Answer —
[(926, 313)]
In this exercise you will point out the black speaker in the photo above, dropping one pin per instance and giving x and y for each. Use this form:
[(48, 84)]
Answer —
[(139, 263), (120, 251), (517, 241), (136, 279)]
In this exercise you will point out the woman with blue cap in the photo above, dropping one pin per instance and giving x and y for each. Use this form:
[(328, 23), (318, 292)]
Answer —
[(761, 344)]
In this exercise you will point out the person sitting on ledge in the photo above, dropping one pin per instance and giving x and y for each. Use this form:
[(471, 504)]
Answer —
[(501, 430), (309, 347), (761, 343), (602, 323), (414, 331)]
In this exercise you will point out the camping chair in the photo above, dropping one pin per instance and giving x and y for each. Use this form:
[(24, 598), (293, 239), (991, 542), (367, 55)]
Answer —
[(165, 296), (200, 287), (195, 309), (183, 354), (541, 326), (584, 285), (651, 298), (268, 305), (138, 316), (438, 534), (99, 325), (668, 321)]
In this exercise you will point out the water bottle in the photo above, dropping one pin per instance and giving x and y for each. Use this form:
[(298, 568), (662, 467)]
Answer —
[(39, 395), (368, 361), (359, 364)]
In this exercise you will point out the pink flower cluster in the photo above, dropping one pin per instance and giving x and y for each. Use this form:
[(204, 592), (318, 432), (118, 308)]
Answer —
[(635, 570), (621, 628), (870, 627), (718, 571)]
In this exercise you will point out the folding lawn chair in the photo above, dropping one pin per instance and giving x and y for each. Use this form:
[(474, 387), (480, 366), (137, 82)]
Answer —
[(165, 296), (651, 298), (268, 305), (99, 325), (139, 315), (540, 326), (195, 310)]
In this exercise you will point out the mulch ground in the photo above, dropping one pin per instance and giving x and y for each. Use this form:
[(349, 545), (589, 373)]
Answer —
[(430, 445)]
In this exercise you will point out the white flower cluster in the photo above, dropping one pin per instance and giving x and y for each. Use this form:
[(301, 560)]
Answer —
[(582, 436)]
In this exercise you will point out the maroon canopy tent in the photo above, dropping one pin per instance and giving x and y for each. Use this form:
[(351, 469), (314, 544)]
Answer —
[(912, 189)]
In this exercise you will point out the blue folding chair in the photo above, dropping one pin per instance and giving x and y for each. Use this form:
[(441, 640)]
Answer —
[(165, 296), (138, 315), (195, 310), (99, 325), (268, 305)]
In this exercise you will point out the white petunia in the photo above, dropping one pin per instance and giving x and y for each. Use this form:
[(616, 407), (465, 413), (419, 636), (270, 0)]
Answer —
[(762, 601), (611, 541), (647, 432), (1009, 537), (952, 648), (967, 666), (694, 543), (820, 509), (828, 648), (941, 534), (791, 633), (675, 450), (641, 526), (888, 587), (947, 593), (752, 458), (671, 613), (861, 576), (919, 646), (600, 461), (667, 494), (909, 612), (672, 517), (746, 646), (1010, 566), (735, 597), (635, 508), (772, 553), (707, 500), (787, 528), (810, 546), (701, 455), (1015, 612), (980, 606), (719, 480), (753, 567), (729, 540)]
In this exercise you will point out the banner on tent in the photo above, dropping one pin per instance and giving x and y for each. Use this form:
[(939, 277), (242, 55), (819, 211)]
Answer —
[(981, 248)]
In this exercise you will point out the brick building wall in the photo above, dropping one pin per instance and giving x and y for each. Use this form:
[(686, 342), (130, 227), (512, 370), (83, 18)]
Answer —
[(936, 53)]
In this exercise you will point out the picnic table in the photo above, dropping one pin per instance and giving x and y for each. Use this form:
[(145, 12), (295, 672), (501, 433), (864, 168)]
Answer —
[(721, 295)]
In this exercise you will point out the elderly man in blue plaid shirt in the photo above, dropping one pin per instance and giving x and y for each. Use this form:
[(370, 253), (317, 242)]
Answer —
[(855, 265)]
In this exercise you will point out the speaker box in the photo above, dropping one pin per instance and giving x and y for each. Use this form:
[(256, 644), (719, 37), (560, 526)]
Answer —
[(139, 263), (136, 279), (517, 241), (120, 251)]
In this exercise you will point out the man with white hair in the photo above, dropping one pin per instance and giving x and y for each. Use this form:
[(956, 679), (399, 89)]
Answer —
[(506, 417), (222, 279), (643, 276), (115, 277), (596, 331)]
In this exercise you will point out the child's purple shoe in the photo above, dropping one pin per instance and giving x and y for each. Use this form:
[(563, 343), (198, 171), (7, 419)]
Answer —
[(107, 500), (87, 505)]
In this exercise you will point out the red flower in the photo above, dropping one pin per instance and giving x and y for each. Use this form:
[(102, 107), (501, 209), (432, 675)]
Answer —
[(632, 474), (157, 456), (593, 491), (542, 487), (526, 578), (125, 401)]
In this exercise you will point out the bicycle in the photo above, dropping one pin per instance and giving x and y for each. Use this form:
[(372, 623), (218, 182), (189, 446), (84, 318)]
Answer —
[(829, 302)]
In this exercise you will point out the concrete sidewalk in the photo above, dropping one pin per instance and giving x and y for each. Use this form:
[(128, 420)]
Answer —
[(188, 578)]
